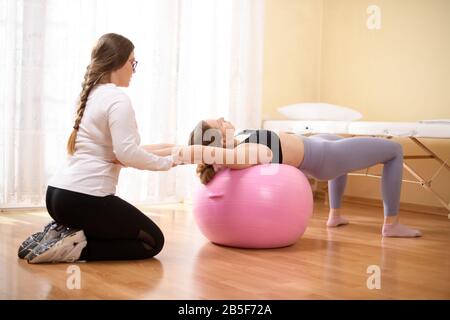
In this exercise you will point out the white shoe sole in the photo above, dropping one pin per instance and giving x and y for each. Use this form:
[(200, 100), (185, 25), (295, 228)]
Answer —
[(67, 249)]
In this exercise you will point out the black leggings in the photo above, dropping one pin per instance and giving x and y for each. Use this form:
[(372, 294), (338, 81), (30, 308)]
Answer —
[(115, 230)]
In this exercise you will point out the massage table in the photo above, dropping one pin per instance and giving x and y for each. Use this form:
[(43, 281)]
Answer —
[(430, 129)]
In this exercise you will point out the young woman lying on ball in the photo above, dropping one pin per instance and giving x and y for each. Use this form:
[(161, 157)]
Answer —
[(323, 157)]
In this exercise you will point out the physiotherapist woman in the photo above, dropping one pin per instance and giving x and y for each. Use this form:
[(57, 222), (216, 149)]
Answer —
[(90, 222)]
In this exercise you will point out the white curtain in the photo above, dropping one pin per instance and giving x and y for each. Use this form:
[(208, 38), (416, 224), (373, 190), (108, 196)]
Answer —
[(197, 59)]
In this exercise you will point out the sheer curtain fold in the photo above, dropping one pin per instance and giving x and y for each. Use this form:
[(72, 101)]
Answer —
[(197, 59)]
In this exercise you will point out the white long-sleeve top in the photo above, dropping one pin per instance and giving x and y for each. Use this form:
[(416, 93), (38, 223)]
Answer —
[(107, 132)]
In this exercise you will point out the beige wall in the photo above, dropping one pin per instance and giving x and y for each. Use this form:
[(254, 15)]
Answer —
[(398, 73), (322, 50), (291, 53)]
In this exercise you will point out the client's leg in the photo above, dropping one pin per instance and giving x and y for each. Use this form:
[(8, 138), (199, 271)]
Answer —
[(336, 188), (346, 155)]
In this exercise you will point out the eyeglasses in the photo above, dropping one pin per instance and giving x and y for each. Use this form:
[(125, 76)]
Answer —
[(133, 65)]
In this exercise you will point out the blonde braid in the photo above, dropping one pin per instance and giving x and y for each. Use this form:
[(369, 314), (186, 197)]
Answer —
[(90, 81)]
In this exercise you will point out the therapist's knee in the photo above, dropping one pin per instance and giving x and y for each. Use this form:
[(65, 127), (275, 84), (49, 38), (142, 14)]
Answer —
[(153, 241)]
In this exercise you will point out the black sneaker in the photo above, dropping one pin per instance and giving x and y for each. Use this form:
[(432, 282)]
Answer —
[(66, 248), (51, 230)]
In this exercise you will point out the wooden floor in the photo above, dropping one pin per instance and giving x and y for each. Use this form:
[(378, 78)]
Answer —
[(323, 264)]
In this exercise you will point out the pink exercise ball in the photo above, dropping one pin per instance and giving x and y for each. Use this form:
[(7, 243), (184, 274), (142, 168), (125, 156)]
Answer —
[(263, 206)]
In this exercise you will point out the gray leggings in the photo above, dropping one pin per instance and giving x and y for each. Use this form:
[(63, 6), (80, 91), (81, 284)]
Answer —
[(330, 157)]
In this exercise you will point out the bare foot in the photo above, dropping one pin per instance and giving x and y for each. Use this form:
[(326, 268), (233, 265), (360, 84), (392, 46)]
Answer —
[(399, 230), (336, 221)]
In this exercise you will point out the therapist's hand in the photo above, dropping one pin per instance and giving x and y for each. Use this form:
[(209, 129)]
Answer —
[(118, 162)]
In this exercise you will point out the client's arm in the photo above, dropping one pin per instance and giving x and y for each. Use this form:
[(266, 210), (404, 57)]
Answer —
[(241, 157)]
